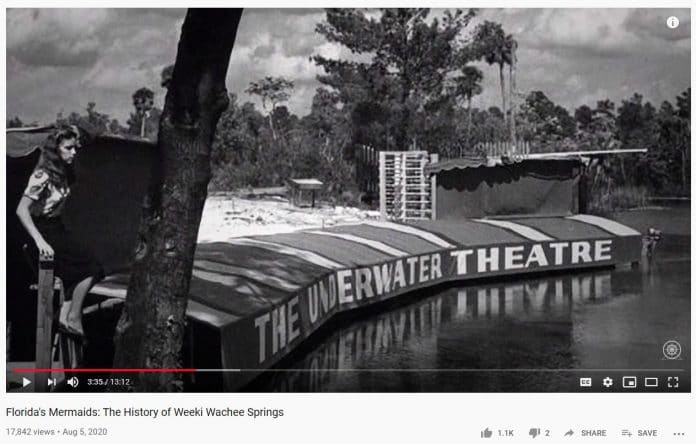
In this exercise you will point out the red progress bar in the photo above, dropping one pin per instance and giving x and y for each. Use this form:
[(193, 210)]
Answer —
[(103, 370)]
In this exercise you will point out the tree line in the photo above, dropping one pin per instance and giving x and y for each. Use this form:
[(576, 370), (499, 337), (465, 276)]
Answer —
[(409, 84)]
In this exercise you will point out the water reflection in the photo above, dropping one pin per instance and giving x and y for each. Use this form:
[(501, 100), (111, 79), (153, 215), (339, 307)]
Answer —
[(602, 319), (432, 333)]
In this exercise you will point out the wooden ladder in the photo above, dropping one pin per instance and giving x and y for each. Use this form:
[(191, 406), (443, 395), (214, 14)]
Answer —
[(49, 340)]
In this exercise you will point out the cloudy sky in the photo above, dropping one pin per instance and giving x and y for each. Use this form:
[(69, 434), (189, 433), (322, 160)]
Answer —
[(60, 59)]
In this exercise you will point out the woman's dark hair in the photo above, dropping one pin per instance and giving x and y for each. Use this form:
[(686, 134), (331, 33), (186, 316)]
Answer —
[(61, 173)]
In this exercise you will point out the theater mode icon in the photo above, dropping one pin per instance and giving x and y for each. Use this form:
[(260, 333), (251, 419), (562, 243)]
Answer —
[(651, 382)]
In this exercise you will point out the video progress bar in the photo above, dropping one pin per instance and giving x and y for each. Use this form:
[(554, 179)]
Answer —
[(341, 370), (441, 370)]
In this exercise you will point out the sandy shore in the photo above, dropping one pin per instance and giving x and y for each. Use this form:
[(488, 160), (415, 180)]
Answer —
[(225, 217)]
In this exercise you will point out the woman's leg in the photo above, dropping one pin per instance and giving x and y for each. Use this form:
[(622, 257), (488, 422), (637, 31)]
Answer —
[(74, 318)]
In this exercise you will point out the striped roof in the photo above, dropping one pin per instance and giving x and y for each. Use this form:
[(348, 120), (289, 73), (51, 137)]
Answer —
[(243, 276)]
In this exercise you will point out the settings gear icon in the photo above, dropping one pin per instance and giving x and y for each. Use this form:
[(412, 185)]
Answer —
[(607, 382)]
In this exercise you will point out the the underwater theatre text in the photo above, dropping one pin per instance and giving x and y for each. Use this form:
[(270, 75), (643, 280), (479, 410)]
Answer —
[(279, 329)]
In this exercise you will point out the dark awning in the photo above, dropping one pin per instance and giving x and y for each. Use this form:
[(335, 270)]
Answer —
[(463, 163), (22, 141)]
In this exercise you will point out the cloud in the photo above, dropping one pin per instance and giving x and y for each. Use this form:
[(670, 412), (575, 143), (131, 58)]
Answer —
[(263, 51), (55, 37), (652, 22), (82, 37), (255, 13), (138, 13), (601, 33), (61, 53), (590, 31), (278, 42), (303, 45), (276, 31), (59, 59), (112, 52), (579, 56)]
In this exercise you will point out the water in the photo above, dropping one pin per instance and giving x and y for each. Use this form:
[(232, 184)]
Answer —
[(537, 334)]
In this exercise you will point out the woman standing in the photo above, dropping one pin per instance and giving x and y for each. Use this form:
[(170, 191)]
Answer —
[(40, 210)]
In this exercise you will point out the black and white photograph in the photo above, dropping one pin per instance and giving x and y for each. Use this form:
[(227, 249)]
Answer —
[(348, 200)]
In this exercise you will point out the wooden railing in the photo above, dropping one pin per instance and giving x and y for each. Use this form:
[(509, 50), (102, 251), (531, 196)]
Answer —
[(367, 169), (48, 340), (44, 322), (497, 149)]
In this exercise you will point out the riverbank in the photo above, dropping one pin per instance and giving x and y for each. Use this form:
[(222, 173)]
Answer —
[(678, 222)]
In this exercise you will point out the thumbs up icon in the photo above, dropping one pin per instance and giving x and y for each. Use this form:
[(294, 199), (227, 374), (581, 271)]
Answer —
[(486, 433)]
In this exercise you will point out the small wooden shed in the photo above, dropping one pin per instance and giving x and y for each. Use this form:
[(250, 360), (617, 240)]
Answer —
[(298, 186)]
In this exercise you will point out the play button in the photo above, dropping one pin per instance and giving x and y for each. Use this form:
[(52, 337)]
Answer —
[(25, 382)]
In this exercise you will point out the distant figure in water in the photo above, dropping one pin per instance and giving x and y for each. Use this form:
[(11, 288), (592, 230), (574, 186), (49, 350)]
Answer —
[(40, 210), (650, 241)]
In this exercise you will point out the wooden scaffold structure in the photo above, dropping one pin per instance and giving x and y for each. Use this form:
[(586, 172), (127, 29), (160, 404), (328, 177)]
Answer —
[(405, 191)]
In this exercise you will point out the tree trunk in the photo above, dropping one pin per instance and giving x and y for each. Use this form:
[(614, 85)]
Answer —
[(684, 166), (142, 125), (151, 329), (270, 123), (513, 85), (468, 120), (502, 92), (401, 135)]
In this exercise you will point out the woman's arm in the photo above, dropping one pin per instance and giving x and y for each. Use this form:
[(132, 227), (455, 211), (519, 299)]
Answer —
[(45, 250)]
